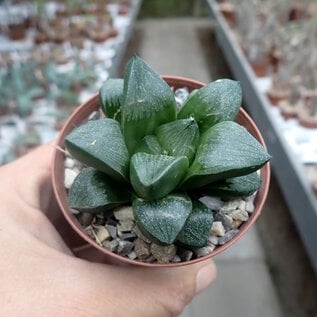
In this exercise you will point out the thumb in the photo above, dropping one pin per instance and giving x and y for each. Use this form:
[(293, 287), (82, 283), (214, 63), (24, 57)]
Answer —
[(135, 291)]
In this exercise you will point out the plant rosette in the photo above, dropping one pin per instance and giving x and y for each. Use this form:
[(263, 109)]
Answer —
[(146, 180)]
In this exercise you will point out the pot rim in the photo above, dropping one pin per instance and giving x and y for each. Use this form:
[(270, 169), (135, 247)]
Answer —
[(60, 192)]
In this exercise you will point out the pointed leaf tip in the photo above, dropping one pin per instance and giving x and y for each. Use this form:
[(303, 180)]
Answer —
[(154, 176), (161, 220), (148, 102), (216, 102), (225, 150)]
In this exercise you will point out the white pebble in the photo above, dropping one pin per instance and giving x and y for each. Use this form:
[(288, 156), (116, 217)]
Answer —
[(217, 229), (69, 162), (125, 226), (204, 250), (239, 215), (249, 206), (69, 177), (74, 211), (231, 205), (102, 234), (242, 205), (132, 255), (124, 213)]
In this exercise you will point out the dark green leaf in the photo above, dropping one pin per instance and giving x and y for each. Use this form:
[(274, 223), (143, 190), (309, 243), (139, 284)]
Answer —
[(94, 191), (154, 176), (149, 144), (226, 150), (234, 187), (196, 230), (111, 98), (162, 220), (148, 102), (100, 144), (218, 101), (179, 138)]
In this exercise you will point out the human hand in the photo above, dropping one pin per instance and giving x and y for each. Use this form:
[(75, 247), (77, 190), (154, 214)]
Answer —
[(39, 276)]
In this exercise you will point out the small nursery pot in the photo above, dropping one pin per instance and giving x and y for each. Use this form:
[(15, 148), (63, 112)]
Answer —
[(87, 248)]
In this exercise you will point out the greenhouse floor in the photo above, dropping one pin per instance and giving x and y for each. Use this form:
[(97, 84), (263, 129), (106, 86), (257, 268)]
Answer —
[(254, 278)]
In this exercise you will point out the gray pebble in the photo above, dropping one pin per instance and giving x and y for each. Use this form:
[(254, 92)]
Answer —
[(176, 259), (226, 220), (132, 255), (212, 203), (111, 221), (140, 235), (213, 240), (125, 226), (85, 218), (228, 236), (111, 245), (99, 220), (128, 236), (204, 250), (125, 247), (112, 231), (163, 254), (185, 255), (142, 249), (150, 259)]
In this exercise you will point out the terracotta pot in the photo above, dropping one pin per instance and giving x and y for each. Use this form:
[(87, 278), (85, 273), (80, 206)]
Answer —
[(276, 96), (90, 249), (288, 110), (17, 32), (260, 67)]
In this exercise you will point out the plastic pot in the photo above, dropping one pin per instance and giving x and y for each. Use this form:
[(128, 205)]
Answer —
[(81, 244)]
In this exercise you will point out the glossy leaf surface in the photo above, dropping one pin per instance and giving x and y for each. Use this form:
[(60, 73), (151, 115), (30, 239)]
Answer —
[(154, 176), (94, 191), (196, 230), (161, 220), (225, 150), (234, 187), (111, 98), (100, 144), (148, 102), (218, 101), (179, 137), (149, 144)]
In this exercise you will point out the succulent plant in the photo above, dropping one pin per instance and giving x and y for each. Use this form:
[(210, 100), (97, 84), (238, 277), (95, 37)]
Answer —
[(147, 154)]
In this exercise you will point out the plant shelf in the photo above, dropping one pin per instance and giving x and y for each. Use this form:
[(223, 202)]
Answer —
[(289, 171)]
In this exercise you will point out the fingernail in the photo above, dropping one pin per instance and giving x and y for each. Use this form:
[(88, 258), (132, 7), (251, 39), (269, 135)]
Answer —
[(204, 277)]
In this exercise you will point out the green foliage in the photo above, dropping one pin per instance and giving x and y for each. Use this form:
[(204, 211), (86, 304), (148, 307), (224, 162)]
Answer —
[(162, 160)]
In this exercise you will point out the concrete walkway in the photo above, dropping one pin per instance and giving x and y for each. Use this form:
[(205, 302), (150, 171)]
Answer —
[(244, 286)]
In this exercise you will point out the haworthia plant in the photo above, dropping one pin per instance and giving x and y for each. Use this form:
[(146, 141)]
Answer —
[(148, 102), (146, 155), (218, 101), (111, 98)]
